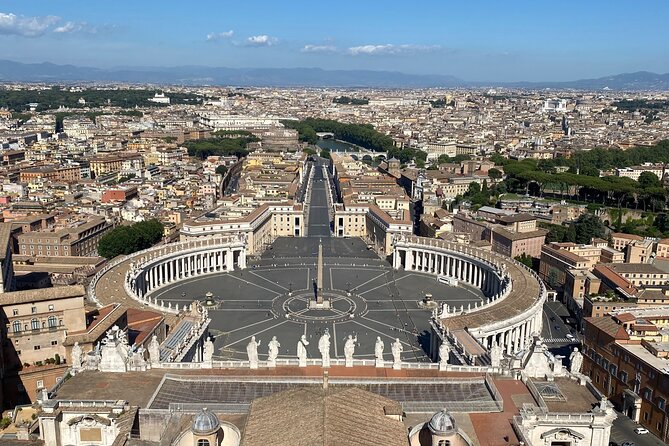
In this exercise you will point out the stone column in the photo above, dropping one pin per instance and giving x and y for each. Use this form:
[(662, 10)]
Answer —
[(229, 259)]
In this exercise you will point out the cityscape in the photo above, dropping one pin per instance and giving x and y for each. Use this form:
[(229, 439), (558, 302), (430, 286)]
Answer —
[(255, 228)]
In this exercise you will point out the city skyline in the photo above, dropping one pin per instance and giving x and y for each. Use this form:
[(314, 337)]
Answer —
[(476, 42)]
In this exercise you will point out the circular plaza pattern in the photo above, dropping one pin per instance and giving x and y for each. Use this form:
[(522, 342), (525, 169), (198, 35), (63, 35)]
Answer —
[(367, 297)]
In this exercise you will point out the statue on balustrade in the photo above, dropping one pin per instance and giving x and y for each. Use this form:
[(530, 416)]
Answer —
[(349, 349), (252, 352)]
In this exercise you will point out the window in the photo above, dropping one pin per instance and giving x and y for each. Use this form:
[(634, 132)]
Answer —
[(50, 307), (34, 324), (33, 310), (52, 321), (16, 327), (444, 443), (15, 312), (54, 342), (37, 347), (623, 376), (40, 383), (203, 442), (661, 403)]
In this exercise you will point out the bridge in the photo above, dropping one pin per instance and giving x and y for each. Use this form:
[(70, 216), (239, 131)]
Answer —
[(325, 135)]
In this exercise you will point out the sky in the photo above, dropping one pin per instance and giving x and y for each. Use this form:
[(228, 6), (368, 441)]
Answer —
[(475, 40)]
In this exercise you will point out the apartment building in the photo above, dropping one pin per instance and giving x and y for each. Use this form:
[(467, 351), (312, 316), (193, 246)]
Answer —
[(71, 236), (627, 357)]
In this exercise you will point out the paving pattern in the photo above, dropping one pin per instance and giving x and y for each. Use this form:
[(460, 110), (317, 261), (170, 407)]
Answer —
[(270, 298)]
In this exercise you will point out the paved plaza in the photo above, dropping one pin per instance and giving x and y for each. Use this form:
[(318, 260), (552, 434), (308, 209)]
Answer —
[(271, 297)]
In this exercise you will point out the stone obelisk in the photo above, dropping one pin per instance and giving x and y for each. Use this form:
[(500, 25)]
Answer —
[(319, 276)]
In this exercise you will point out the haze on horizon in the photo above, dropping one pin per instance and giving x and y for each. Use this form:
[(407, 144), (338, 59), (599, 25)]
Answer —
[(475, 41)]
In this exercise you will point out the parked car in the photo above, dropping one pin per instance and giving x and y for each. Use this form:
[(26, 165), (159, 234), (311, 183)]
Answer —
[(570, 336), (628, 443), (640, 430)]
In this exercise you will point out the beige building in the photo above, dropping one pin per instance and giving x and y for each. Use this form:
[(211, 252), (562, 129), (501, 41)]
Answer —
[(36, 323), (74, 236)]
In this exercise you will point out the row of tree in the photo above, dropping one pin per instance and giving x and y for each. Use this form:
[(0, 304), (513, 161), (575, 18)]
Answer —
[(221, 144), (363, 135), (128, 239), (19, 100)]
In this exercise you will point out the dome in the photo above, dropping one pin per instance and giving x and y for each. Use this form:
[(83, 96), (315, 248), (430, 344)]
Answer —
[(442, 423), (205, 422)]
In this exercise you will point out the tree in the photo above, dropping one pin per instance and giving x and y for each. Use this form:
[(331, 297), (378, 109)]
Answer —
[(525, 260), (495, 174), (649, 180), (128, 239), (325, 153), (587, 227), (474, 188), (221, 170)]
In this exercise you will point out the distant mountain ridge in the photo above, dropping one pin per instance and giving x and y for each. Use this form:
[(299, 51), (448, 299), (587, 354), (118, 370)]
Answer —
[(47, 72)]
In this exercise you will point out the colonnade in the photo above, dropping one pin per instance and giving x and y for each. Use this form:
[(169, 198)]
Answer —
[(456, 265), (486, 271), (145, 278)]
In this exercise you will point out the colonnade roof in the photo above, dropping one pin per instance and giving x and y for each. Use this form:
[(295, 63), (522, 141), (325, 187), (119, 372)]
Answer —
[(524, 293)]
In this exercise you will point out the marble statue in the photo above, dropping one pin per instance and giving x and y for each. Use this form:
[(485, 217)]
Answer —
[(397, 349), (495, 355), (114, 351), (76, 357), (252, 352), (208, 351), (154, 351), (302, 351), (444, 351), (349, 349), (324, 348), (575, 361), (272, 351), (378, 351)]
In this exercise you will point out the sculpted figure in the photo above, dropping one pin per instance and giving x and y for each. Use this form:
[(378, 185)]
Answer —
[(324, 348), (273, 350), (378, 351), (349, 349), (397, 350), (208, 351), (444, 351), (302, 351), (575, 361), (252, 352)]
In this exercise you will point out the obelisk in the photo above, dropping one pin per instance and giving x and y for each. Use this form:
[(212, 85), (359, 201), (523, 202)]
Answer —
[(319, 275)]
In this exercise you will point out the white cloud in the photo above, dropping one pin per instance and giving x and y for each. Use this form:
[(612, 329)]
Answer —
[(261, 40), (18, 25), (67, 28), (319, 49), (212, 37), (375, 50)]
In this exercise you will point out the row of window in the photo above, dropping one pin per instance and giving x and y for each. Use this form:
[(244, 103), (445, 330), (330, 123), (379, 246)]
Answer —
[(35, 324), (33, 310)]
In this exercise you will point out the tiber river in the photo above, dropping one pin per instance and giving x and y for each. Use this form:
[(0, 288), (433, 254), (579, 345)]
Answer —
[(336, 146)]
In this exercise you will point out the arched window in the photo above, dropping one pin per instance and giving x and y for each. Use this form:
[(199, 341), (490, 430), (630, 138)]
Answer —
[(52, 321), (34, 324), (203, 442), (16, 326), (444, 443)]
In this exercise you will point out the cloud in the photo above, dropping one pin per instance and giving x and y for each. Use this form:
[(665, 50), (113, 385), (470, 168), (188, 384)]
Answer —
[(213, 37), (18, 25), (376, 50), (261, 40), (319, 49), (68, 27)]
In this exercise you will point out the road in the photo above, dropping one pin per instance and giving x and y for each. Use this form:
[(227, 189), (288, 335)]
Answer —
[(319, 217), (623, 430)]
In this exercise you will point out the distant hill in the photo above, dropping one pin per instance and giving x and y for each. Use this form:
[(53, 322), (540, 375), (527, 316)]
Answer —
[(299, 77)]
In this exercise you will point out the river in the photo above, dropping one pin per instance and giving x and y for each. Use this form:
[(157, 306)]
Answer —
[(336, 146)]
